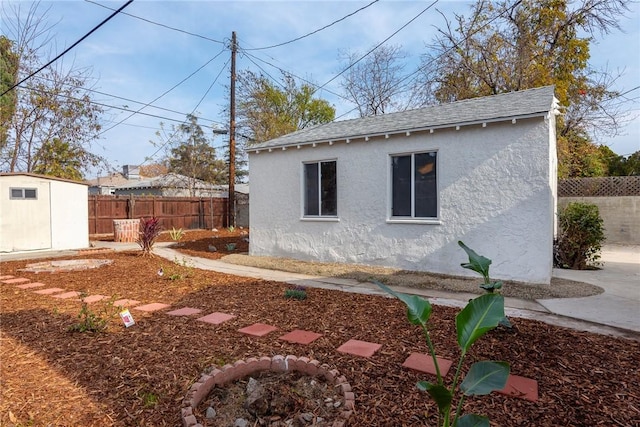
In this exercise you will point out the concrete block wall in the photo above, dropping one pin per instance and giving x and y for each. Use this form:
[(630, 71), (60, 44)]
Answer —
[(620, 214)]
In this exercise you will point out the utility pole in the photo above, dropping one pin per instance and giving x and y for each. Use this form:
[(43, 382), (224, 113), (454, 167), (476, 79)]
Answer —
[(232, 136)]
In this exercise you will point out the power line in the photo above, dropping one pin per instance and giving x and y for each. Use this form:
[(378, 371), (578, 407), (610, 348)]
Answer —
[(379, 44), (68, 49), (163, 94), (314, 32), (122, 98), (194, 109), (159, 24)]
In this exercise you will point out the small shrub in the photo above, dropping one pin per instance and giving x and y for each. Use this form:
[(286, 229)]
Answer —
[(580, 236), (231, 229), (231, 247), (299, 293), (176, 234), (149, 231), (90, 321), (178, 270)]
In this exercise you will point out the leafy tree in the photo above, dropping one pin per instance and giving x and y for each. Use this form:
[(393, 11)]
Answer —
[(511, 45), (376, 83), (265, 111), (61, 159), (153, 169), (191, 153), (8, 77), (619, 165), (53, 109)]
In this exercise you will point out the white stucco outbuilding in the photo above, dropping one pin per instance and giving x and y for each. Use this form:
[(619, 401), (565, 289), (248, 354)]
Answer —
[(40, 212), (401, 189)]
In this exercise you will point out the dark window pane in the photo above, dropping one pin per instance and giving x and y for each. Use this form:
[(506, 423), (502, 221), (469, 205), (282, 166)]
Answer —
[(329, 188), (16, 193), (311, 195), (426, 201), (30, 193), (401, 186)]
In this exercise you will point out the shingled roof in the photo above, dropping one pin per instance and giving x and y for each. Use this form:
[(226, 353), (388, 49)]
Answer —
[(507, 106)]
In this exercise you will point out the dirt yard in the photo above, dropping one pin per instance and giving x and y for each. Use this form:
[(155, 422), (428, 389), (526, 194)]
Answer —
[(138, 376)]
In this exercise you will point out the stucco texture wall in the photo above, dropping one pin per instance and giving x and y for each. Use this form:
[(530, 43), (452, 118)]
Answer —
[(494, 194), (620, 216)]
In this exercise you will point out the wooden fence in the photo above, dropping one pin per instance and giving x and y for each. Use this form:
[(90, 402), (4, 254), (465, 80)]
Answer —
[(179, 212)]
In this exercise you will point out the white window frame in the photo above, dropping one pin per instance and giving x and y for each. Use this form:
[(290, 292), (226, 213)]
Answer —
[(412, 219), (303, 185), (23, 191)]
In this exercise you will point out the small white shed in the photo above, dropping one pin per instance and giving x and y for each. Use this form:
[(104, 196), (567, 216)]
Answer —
[(401, 189), (40, 212)]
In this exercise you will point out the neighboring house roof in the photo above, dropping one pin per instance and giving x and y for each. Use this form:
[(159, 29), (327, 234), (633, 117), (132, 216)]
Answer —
[(506, 106), (112, 180), (170, 180), (35, 175)]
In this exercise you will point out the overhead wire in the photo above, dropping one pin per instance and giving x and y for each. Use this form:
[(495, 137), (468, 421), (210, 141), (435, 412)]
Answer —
[(379, 44), (315, 31), (175, 132), (164, 93), (159, 24), (64, 52)]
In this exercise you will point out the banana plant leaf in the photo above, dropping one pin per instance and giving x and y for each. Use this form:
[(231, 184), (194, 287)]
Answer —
[(418, 309), (479, 316), (484, 377), (439, 393), (472, 420), (477, 263)]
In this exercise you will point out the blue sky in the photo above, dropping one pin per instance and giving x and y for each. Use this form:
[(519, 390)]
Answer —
[(137, 60)]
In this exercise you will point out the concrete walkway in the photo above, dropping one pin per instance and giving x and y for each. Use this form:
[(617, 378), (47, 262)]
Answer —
[(615, 312)]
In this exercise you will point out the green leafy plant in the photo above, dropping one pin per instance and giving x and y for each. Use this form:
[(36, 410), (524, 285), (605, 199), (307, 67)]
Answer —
[(90, 321), (480, 265), (478, 317), (149, 399), (231, 229), (580, 236), (299, 293), (178, 270), (149, 231), (231, 247), (176, 234)]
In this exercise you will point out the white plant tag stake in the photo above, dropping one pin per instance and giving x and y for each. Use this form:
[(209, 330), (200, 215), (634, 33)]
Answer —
[(127, 318)]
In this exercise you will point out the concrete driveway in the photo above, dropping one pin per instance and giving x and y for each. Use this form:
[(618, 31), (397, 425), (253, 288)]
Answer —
[(619, 305)]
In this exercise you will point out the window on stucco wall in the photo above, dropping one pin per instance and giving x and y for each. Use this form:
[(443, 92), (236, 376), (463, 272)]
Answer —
[(23, 193), (320, 189), (414, 190)]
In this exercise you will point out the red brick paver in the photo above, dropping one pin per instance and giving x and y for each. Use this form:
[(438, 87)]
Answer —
[(522, 387), (359, 348), (258, 329), (154, 306), (216, 318), (125, 302), (299, 336), (31, 285), (48, 291), (5, 277), (185, 311), (424, 363), (67, 295), (94, 298), (16, 281)]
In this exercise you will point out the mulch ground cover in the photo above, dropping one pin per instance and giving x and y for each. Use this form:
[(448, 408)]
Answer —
[(138, 376)]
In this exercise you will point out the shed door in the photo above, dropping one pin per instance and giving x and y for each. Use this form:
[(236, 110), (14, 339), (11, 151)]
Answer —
[(25, 223)]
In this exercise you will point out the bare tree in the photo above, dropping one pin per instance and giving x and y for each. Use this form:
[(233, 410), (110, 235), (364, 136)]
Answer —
[(54, 121), (377, 83)]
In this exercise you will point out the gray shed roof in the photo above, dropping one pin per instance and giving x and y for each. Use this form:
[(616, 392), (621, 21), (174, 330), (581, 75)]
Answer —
[(507, 106)]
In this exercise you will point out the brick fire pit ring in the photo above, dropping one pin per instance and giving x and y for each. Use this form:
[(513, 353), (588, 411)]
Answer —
[(278, 364)]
